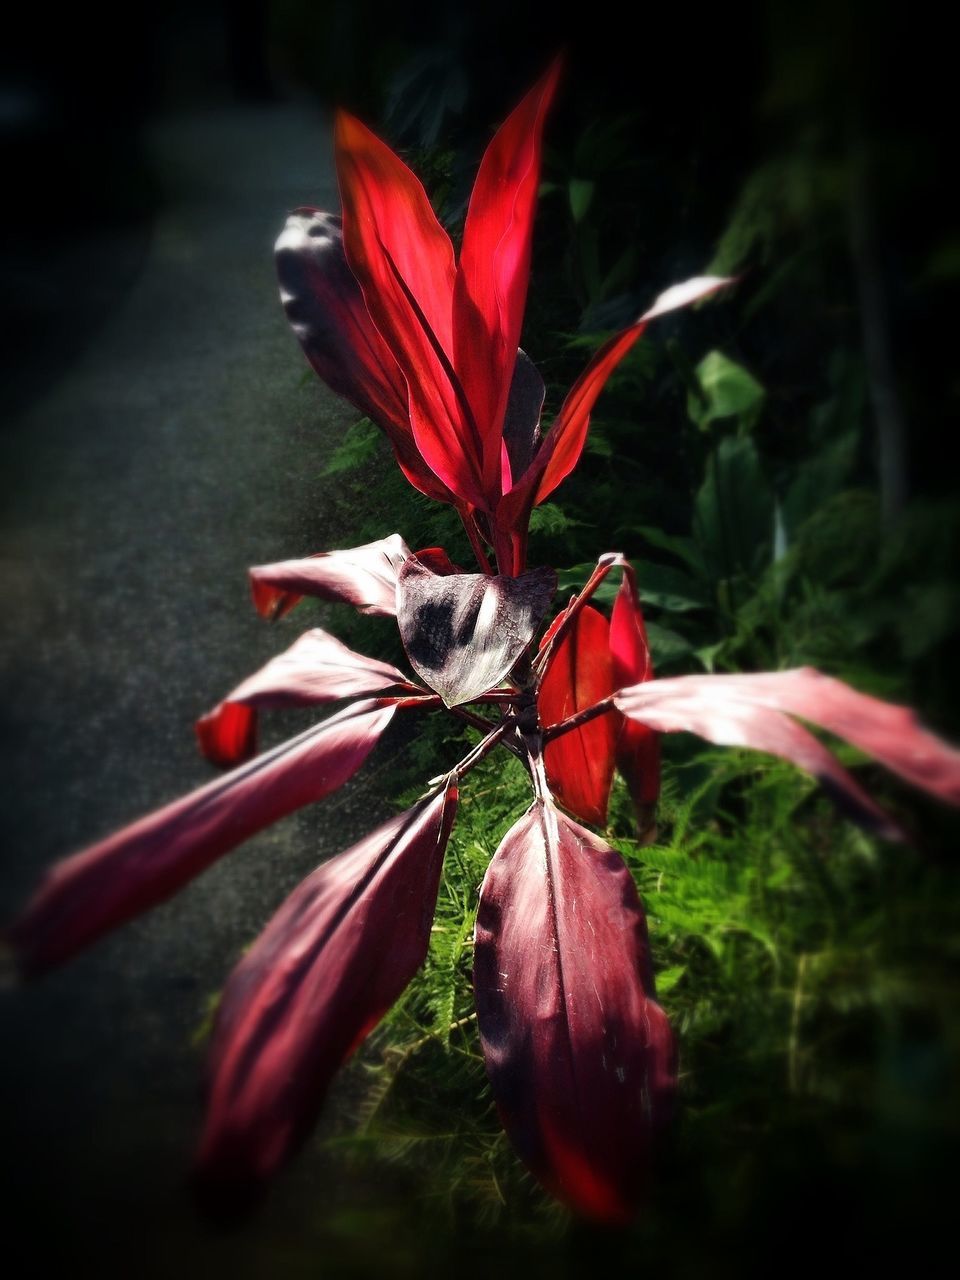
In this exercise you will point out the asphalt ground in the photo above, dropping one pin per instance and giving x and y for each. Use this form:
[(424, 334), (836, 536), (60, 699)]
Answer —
[(170, 444)]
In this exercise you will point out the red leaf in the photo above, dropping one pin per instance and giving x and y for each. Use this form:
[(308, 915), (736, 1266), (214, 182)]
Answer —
[(94, 891), (580, 1058), (491, 284), (365, 577), (327, 967), (563, 444), (403, 261), (638, 747), (464, 632), (743, 709), (317, 668), (579, 764), (325, 307)]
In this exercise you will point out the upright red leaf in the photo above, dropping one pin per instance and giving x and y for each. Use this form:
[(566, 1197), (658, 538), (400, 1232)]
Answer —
[(563, 443), (326, 310), (638, 747), (464, 632), (579, 1056), (365, 577), (327, 967), (403, 261), (318, 668), (753, 711), (491, 284), (580, 763), (94, 891)]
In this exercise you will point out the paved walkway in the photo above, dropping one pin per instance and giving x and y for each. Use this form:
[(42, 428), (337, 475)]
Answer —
[(183, 445)]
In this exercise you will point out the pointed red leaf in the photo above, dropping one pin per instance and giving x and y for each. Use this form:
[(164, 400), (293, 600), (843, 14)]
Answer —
[(491, 284), (580, 1058), (638, 747), (94, 891), (365, 577), (317, 668), (326, 310), (327, 967), (403, 261), (563, 444), (743, 709), (464, 632), (579, 764)]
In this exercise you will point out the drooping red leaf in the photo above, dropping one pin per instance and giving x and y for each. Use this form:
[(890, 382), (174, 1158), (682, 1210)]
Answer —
[(638, 747), (94, 891), (742, 709), (491, 283), (326, 310), (317, 668), (403, 261), (563, 443), (580, 763), (464, 632), (752, 711), (328, 966), (579, 1056), (365, 577)]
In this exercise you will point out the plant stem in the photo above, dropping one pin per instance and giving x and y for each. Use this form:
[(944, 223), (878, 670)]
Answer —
[(580, 718), (476, 542)]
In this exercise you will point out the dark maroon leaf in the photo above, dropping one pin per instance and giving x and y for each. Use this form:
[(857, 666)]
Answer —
[(327, 967), (318, 668), (521, 427), (365, 577), (580, 1058), (463, 632), (109, 883)]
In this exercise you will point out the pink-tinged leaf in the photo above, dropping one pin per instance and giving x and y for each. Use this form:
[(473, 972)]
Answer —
[(579, 1056), (328, 966), (754, 711), (365, 577), (464, 632), (746, 703), (638, 747), (580, 763), (491, 284), (326, 310), (403, 261), (142, 865), (563, 444), (317, 668)]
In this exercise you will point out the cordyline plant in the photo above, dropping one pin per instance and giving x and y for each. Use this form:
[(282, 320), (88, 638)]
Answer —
[(580, 1056)]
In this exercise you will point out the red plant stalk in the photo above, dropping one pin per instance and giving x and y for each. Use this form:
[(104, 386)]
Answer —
[(580, 1056)]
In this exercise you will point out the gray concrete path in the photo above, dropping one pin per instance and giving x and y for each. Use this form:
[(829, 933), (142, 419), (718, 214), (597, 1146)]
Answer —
[(182, 446)]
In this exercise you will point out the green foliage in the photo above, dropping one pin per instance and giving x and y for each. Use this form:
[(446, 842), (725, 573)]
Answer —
[(359, 447), (724, 390)]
